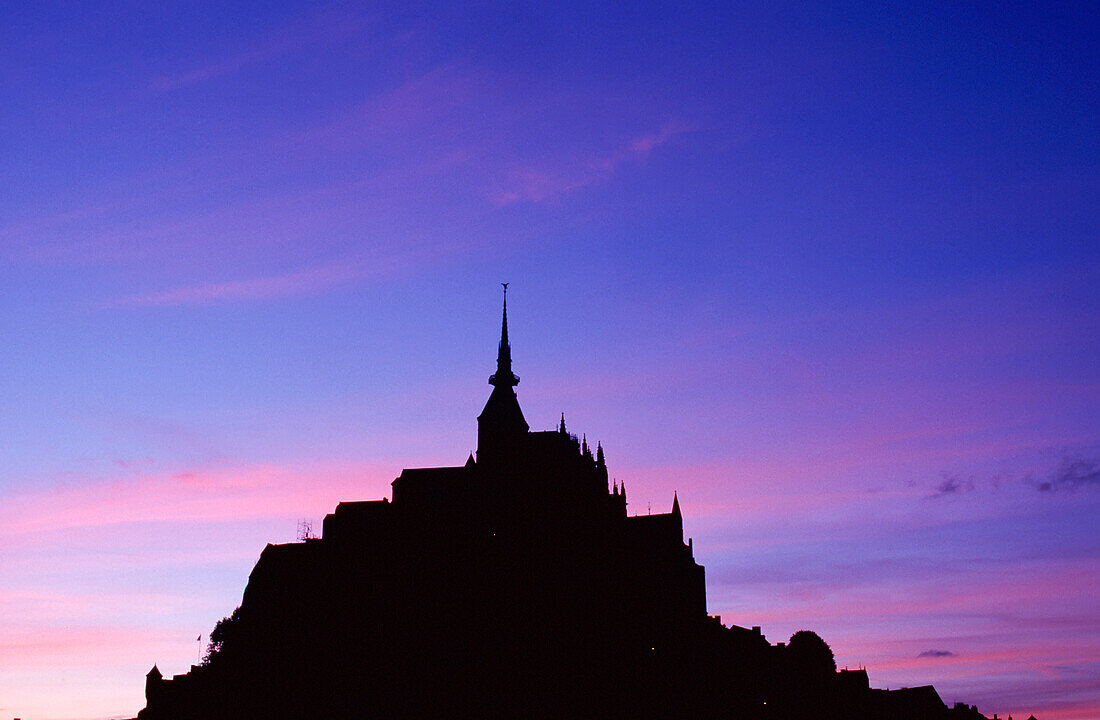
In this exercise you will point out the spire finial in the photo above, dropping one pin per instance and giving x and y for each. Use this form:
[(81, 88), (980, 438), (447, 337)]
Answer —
[(561, 428), (504, 375)]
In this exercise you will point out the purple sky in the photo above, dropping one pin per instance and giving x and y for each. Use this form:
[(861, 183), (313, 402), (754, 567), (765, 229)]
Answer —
[(831, 272)]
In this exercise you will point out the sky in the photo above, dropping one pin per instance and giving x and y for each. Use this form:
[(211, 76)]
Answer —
[(829, 271)]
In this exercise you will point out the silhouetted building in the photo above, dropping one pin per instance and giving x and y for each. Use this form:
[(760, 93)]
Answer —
[(515, 585)]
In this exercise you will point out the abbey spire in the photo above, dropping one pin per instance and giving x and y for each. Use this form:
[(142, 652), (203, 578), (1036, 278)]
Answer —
[(504, 374), (501, 426)]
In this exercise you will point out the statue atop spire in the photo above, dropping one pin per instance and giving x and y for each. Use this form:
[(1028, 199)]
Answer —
[(504, 374)]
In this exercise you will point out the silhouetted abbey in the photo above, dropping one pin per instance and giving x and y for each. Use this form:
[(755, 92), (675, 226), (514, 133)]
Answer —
[(513, 586)]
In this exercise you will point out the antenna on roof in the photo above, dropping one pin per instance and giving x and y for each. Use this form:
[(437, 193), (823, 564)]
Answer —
[(305, 530)]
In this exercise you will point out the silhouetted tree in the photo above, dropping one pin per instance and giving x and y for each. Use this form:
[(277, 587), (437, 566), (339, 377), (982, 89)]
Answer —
[(810, 654), (223, 630)]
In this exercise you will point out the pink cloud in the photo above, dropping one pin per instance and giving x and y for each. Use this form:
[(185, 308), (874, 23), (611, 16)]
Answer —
[(992, 615), (1011, 644), (231, 495), (36, 606), (225, 66), (1019, 590), (258, 288), (39, 646), (51, 671), (638, 148), (89, 602), (378, 262), (1071, 710), (322, 28), (530, 184), (428, 103)]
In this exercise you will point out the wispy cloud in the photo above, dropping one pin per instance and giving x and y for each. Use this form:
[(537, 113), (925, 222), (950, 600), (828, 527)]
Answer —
[(324, 27), (953, 486), (1071, 475), (936, 654), (547, 184), (638, 148), (257, 288), (434, 104), (375, 262), (226, 66), (219, 494), (42, 647)]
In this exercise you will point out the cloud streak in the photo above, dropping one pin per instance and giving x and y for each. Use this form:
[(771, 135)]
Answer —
[(322, 28), (379, 262), (225, 494), (937, 654), (953, 486), (247, 289), (1072, 475), (548, 184)]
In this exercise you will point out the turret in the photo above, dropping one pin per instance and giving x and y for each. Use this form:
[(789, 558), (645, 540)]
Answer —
[(153, 683)]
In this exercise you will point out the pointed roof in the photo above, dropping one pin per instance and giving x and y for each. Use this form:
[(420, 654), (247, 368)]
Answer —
[(675, 504), (154, 673)]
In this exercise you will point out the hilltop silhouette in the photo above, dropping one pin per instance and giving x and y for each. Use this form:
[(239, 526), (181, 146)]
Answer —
[(516, 585)]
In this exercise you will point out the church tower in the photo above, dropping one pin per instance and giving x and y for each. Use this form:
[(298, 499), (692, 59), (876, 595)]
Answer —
[(501, 427)]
